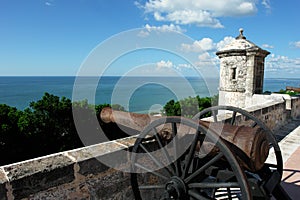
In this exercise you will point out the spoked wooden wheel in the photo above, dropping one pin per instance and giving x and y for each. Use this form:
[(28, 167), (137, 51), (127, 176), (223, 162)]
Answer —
[(270, 173), (236, 116), (166, 163)]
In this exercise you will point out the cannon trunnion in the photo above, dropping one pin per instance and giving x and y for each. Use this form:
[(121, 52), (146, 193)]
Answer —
[(220, 157)]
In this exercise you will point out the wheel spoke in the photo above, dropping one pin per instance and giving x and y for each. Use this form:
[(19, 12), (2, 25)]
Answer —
[(233, 118), (150, 187), (253, 124), (204, 167), (165, 152), (190, 155), (213, 185), (214, 115), (175, 144), (151, 171), (157, 162), (229, 193)]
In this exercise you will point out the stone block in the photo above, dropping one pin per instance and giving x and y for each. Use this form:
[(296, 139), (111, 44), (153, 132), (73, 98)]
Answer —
[(98, 158), (39, 174), (115, 185), (91, 166), (257, 113), (264, 110), (3, 181), (271, 108), (41, 181)]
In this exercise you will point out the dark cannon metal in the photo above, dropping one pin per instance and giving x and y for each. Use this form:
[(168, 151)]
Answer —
[(220, 157)]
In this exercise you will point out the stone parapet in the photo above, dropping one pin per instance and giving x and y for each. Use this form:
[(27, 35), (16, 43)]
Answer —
[(75, 174), (272, 113), (295, 107)]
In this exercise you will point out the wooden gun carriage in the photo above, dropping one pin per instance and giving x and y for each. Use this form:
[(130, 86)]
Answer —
[(218, 157)]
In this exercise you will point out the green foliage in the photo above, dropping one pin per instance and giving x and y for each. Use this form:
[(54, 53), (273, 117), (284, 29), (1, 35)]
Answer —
[(52, 123), (214, 100), (282, 91), (188, 107), (10, 137), (289, 92), (172, 108), (46, 127)]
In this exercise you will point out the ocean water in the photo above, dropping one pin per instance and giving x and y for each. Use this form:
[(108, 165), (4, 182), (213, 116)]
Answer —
[(136, 94)]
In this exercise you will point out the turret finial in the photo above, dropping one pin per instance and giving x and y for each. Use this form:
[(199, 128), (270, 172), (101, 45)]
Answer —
[(241, 36)]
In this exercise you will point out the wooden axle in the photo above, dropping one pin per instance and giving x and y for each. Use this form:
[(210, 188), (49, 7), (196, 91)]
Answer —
[(250, 145)]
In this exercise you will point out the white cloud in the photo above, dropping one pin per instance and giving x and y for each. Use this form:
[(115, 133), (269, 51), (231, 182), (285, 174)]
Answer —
[(164, 28), (295, 44), (297, 61), (206, 60), (266, 4), (282, 65), (168, 67), (164, 64), (267, 46), (204, 57), (206, 44), (160, 68), (201, 13), (49, 3), (157, 16), (185, 66), (143, 33), (201, 18), (227, 40)]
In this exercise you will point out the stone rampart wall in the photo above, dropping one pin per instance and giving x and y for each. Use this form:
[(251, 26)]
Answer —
[(76, 174), (295, 108), (273, 114)]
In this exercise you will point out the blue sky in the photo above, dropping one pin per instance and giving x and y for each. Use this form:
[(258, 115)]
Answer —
[(54, 37)]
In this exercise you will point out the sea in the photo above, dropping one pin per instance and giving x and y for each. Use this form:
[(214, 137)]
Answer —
[(135, 94)]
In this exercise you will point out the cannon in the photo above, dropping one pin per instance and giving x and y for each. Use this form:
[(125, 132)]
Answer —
[(218, 157)]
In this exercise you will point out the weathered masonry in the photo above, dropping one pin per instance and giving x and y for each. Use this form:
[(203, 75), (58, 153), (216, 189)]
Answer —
[(241, 72)]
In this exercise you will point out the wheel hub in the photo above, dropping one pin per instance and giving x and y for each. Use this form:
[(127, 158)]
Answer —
[(176, 188)]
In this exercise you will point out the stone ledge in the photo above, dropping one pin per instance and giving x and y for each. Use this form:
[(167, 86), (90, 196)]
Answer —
[(29, 177), (43, 164)]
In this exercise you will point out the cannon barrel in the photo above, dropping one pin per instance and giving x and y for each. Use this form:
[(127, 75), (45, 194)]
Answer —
[(250, 145), (132, 120)]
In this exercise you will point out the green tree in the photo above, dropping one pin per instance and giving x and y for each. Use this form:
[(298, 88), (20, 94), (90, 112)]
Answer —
[(47, 126), (172, 108), (50, 121), (10, 138), (188, 107)]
